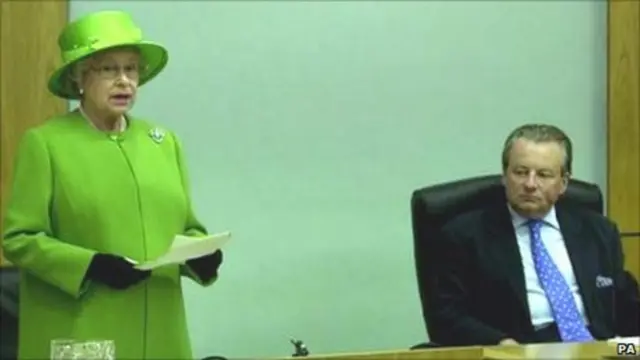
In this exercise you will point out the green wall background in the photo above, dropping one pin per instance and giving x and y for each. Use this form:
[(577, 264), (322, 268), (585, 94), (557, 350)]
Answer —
[(307, 125)]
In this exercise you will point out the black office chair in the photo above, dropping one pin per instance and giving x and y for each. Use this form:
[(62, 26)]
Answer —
[(433, 206), (9, 301)]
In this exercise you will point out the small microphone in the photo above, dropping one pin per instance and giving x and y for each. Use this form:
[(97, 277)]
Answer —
[(301, 349)]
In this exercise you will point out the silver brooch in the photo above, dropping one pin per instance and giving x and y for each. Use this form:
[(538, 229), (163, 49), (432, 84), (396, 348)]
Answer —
[(157, 135)]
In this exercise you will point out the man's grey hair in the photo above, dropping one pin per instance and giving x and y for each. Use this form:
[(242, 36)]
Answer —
[(539, 133)]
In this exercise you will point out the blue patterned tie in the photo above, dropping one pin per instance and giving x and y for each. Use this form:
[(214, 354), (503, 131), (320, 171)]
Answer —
[(570, 324)]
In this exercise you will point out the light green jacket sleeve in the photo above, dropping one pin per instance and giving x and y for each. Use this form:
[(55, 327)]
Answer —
[(193, 227), (28, 241)]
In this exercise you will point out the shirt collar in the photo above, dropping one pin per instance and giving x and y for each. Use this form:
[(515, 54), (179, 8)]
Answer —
[(549, 219)]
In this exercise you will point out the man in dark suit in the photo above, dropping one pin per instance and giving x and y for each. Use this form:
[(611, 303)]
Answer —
[(529, 270)]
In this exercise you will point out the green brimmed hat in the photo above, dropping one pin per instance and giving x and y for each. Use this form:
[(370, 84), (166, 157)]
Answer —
[(100, 31)]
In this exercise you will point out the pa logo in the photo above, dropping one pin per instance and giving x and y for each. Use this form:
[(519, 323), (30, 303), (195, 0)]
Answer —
[(626, 349)]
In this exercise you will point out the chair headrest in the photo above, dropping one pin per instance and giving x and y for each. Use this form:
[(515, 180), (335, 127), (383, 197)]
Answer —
[(450, 199)]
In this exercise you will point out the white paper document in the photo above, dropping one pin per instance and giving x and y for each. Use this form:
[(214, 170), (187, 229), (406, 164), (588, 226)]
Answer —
[(185, 248)]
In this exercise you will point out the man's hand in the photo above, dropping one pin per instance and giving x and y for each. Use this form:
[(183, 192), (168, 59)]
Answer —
[(508, 342)]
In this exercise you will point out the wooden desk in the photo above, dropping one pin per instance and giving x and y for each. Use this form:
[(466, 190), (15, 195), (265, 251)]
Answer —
[(454, 353), (583, 351), (587, 351)]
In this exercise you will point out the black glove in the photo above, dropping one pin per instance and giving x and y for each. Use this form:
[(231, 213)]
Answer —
[(206, 267), (115, 271)]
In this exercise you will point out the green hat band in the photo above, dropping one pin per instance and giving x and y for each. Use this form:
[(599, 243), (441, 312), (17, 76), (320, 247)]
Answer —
[(95, 44)]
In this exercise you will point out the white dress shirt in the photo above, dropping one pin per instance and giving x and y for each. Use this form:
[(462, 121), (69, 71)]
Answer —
[(539, 307)]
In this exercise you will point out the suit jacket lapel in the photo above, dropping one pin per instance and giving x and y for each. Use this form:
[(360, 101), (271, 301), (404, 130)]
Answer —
[(583, 257), (502, 247), (504, 251)]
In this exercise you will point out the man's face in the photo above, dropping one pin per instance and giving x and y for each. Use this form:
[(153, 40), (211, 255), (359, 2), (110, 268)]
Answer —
[(534, 179)]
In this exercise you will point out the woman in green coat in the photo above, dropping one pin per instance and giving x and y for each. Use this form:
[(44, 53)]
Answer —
[(94, 191)]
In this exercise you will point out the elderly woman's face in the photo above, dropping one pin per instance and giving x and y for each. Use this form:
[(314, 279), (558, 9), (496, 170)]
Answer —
[(110, 81)]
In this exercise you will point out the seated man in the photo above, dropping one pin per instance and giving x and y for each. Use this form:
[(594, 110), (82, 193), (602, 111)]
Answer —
[(530, 270)]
